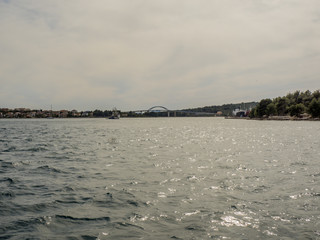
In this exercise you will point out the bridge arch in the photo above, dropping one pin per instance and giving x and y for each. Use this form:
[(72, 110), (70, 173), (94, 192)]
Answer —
[(164, 108)]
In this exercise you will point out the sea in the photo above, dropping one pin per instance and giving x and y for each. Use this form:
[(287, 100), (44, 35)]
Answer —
[(159, 178)]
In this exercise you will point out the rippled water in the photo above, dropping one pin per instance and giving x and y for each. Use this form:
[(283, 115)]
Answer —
[(165, 178)]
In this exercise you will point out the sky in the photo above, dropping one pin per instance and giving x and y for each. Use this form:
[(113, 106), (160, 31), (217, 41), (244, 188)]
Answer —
[(135, 54)]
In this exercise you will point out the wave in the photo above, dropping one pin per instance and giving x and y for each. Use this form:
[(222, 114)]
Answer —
[(49, 169), (76, 219), (32, 208), (88, 237), (10, 149), (35, 149), (69, 202), (31, 149), (7, 180), (195, 227), (125, 224), (7, 195), (118, 198), (14, 228)]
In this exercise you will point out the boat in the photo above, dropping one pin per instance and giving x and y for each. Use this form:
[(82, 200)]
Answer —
[(50, 115), (115, 114)]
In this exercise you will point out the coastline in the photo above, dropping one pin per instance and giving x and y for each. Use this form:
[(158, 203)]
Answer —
[(277, 118)]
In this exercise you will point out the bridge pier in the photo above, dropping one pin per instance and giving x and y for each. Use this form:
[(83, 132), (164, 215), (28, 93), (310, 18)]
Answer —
[(173, 114)]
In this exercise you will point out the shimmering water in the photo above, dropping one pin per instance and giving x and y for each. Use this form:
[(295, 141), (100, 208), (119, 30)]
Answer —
[(166, 178)]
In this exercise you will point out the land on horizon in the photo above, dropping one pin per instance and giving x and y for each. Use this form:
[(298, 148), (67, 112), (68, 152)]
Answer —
[(298, 104), (219, 110)]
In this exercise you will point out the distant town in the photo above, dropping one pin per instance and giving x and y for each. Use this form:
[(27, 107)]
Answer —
[(32, 113)]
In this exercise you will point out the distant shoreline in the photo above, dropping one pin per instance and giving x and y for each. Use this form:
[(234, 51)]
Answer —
[(276, 118)]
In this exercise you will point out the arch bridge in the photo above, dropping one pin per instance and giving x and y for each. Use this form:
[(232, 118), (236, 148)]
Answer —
[(150, 109), (164, 109)]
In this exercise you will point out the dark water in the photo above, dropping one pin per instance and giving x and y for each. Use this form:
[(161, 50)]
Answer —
[(168, 178)]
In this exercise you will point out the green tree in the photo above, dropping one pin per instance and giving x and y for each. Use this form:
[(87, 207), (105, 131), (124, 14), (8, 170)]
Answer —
[(107, 113), (252, 113), (97, 113), (314, 108), (306, 97), (293, 103), (261, 108), (296, 110), (297, 96), (271, 109), (316, 94), (282, 105)]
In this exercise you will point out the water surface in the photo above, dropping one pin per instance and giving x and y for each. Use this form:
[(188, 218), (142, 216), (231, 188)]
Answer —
[(164, 178)]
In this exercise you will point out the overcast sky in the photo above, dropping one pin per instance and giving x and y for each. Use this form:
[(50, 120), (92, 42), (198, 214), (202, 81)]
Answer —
[(135, 54)]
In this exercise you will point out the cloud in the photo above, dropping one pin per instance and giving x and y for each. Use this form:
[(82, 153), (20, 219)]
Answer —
[(136, 54)]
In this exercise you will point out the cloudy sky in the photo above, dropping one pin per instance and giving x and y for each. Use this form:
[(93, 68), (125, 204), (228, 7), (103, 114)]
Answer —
[(134, 54)]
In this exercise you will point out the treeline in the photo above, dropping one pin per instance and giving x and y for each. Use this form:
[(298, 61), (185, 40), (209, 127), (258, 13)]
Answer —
[(225, 109), (294, 104), (100, 113)]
